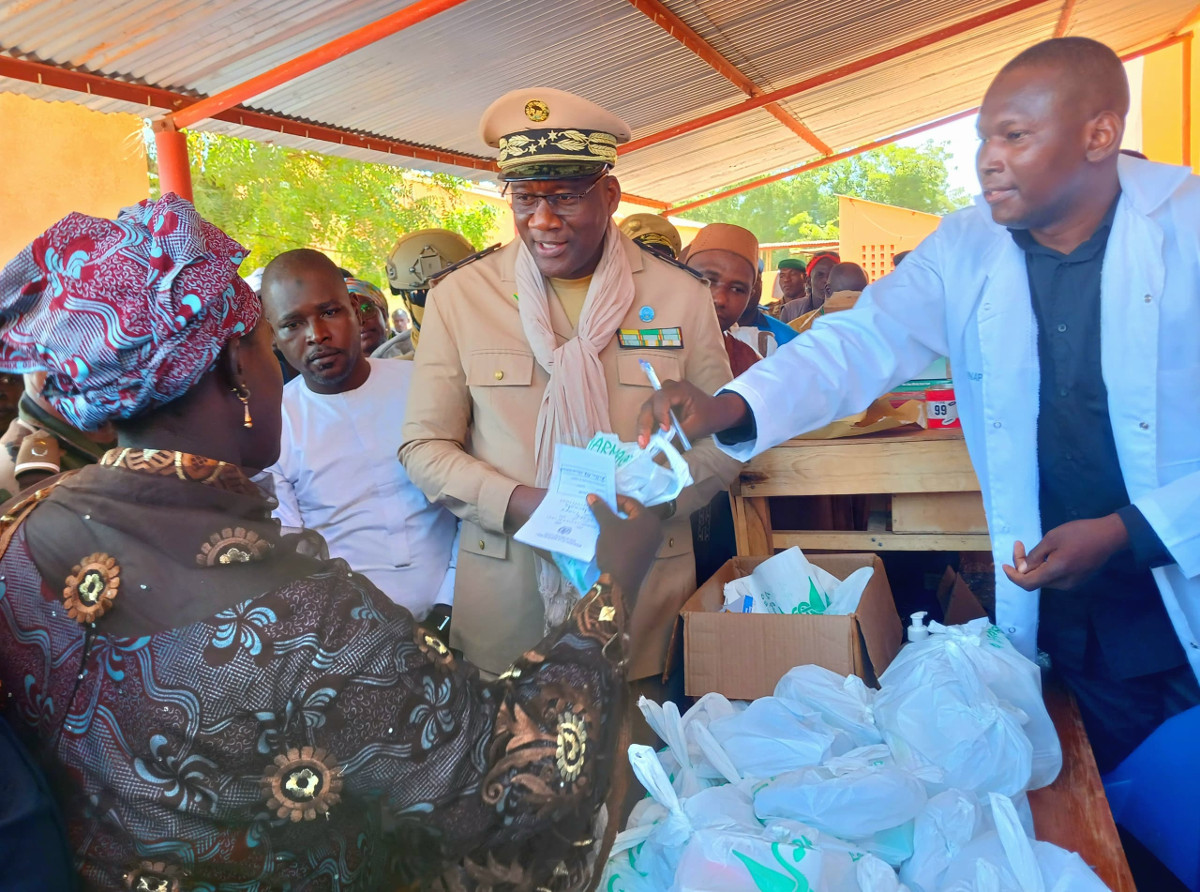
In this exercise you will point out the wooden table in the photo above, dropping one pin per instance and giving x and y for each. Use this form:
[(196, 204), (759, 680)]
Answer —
[(935, 503), (1073, 811)]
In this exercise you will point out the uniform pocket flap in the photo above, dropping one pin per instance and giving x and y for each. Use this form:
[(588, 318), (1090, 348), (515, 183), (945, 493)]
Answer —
[(677, 539), (500, 368), (476, 540), (629, 371)]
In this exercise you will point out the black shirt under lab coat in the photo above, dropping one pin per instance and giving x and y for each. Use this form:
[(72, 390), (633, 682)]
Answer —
[(1117, 617)]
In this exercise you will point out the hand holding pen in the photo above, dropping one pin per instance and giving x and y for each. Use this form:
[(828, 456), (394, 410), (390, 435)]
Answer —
[(701, 412), (675, 425)]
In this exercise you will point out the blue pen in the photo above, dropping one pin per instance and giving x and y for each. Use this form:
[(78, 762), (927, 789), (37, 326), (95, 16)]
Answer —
[(657, 385)]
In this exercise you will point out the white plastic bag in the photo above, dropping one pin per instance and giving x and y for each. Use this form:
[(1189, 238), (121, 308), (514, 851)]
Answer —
[(666, 722), (1006, 860), (771, 737), (843, 600), (934, 709), (852, 798), (639, 476), (692, 757), (1013, 679), (646, 854), (657, 844), (950, 821), (788, 583), (716, 861), (843, 702), (780, 859)]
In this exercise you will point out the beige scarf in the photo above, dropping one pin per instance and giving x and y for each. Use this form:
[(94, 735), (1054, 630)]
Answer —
[(575, 405)]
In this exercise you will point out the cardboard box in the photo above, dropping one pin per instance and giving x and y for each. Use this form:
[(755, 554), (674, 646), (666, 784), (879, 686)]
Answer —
[(743, 655), (959, 604)]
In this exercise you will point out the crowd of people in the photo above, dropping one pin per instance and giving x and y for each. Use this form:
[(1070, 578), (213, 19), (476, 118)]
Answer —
[(274, 635)]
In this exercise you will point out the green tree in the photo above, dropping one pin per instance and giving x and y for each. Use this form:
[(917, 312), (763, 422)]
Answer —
[(273, 199), (805, 206)]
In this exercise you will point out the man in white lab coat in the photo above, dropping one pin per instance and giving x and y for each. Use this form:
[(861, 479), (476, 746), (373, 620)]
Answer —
[(1069, 304)]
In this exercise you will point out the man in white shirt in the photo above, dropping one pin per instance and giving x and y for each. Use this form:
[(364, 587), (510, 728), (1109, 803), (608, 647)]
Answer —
[(337, 472)]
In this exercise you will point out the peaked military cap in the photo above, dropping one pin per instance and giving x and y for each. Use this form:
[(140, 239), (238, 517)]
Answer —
[(548, 134)]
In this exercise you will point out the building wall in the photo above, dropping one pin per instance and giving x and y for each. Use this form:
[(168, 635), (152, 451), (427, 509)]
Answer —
[(872, 233), (1161, 106), (58, 157)]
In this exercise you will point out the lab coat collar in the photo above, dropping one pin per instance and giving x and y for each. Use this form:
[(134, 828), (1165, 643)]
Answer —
[(1145, 185)]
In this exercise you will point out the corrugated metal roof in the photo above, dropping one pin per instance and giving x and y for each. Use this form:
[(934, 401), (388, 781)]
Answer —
[(430, 83)]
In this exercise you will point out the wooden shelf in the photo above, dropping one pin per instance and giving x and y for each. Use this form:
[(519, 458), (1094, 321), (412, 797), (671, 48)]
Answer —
[(935, 500), (836, 540)]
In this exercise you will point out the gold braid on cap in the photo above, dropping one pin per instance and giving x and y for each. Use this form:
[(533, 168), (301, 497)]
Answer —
[(534, 146), (655, 238)]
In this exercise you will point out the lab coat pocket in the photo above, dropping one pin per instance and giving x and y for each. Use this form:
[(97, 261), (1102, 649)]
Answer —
[(1178, 411)]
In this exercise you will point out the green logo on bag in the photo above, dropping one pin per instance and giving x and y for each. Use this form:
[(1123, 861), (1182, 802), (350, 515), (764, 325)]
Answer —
[(995, 636), (768, 880), (816, 601)]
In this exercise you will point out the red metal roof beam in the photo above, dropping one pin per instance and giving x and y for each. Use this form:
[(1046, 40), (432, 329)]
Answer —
[(820, 162), (658, 13), (878, 143), (410, 15), (157, 97), (1064, 18), (904, 49)]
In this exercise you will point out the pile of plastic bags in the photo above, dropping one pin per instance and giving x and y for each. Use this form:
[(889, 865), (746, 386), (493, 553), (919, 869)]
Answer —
[(830, 786), (790, 583)]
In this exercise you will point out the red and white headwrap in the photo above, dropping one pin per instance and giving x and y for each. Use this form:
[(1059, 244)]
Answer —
[(124, 314)]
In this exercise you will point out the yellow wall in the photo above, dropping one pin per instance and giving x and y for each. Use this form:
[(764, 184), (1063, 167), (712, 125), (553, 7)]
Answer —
[(1162, 106), (58, 157), (871, 233)]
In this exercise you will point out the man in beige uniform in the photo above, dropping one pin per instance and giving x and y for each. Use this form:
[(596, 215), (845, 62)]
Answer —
[(537, 344)]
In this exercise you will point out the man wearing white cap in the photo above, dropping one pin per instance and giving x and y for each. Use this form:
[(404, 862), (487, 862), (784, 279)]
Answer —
[(538, 344)]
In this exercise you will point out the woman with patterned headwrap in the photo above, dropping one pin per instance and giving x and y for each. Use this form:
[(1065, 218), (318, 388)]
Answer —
[(215, 708)]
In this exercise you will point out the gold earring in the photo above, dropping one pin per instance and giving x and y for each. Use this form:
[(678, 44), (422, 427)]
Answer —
[(243, 394)]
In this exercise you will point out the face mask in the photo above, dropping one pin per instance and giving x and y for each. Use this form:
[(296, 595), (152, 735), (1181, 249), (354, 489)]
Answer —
[(639, 476)]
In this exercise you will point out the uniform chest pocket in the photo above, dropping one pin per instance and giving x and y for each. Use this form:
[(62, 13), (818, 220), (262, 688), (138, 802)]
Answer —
[(500, 368), (629, 370)]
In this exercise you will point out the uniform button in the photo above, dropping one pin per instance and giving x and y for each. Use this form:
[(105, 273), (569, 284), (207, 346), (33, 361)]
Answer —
[(1012, 630), (1148, 298), (995, 424), (1062, 391), (1062, 326), (1144, 426), (671, 542), (481, 545), (499, 375)]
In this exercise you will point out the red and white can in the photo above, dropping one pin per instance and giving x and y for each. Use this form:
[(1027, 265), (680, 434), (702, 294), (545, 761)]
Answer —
[(941, 410)]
